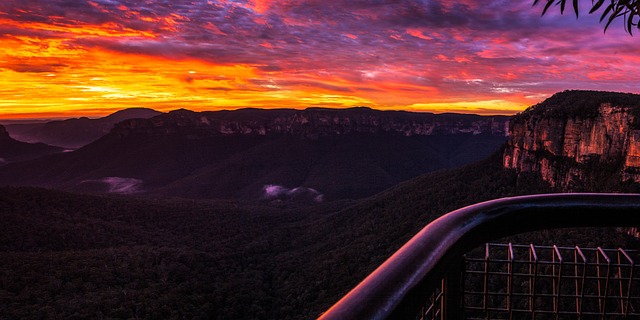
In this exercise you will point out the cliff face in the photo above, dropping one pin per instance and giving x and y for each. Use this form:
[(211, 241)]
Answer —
[(312, 123), (569, 148)]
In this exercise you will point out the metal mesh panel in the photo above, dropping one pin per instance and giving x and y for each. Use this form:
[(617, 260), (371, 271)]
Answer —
[(507, 281)]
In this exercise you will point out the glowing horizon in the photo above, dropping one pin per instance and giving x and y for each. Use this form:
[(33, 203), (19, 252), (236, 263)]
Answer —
[(92, 58)]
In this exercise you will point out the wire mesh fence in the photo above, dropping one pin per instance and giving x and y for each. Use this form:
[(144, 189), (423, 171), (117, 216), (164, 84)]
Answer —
[(512, 281)]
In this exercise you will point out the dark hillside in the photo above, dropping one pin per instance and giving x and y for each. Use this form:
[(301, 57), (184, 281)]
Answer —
[(123, 257), (12, 150), (68, 255)]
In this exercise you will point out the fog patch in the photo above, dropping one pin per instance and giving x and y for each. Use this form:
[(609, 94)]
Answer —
[(116, 185), (3, 161), (123, 185), (298, 194)]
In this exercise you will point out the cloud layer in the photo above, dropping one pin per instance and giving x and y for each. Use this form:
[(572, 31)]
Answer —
[(298, 194), (117, 185), (492, 56)]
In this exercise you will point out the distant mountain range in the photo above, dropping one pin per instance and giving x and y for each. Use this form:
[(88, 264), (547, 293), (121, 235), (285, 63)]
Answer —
[(73, 133), (267, 154), (161, 257), (12, 150)]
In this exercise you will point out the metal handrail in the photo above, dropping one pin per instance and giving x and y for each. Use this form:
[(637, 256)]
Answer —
[(397, 288)]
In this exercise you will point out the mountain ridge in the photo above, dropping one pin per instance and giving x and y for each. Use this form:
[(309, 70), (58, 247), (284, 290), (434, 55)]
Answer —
[(236, 154), (75, 132)]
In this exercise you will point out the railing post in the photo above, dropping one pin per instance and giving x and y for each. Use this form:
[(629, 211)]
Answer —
[(453, 286)]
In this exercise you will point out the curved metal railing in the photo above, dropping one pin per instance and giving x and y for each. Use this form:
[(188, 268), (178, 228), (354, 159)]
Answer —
[(397, 289)]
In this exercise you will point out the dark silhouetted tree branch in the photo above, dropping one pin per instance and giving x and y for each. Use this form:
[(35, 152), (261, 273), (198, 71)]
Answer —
[(628, 10)]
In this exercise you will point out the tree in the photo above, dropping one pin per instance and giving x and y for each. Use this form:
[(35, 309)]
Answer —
[(628, 10)]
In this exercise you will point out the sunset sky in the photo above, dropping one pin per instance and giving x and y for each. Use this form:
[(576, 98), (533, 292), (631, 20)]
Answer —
[(62, 58)]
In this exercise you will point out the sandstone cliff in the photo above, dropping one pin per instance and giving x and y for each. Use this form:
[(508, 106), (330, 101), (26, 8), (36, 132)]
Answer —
[(577, 137)]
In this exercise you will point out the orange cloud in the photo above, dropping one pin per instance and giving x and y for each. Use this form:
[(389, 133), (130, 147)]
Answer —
[(261, 6), (418, 34), (107, 29), (99, 56)]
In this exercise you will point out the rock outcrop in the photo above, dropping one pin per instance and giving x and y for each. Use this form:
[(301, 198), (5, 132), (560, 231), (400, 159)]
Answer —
[(575, 135)]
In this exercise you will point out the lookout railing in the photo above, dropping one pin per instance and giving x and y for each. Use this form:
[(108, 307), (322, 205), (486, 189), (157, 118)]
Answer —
[(437, 275)]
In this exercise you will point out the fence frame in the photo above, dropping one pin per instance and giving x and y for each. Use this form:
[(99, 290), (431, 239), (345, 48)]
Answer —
[(397, 288)]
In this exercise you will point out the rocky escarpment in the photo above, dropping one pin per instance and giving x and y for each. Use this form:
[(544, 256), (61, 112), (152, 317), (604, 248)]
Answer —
[(575, 137), (312, 123)]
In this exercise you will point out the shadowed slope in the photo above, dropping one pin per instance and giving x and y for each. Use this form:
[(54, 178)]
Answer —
[(12, 150), (77, 132)]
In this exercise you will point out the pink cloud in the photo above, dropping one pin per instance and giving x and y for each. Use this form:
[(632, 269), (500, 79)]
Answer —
[(418, 34)]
